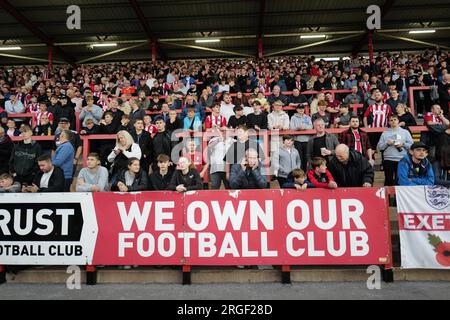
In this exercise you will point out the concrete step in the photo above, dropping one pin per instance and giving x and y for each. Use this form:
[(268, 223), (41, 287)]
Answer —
[(225, 275)]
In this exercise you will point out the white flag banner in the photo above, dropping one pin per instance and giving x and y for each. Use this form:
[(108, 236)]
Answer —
[(424, 223)]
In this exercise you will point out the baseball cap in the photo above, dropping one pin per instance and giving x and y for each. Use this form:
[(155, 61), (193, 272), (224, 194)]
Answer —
[(417, 145), (63, 120)]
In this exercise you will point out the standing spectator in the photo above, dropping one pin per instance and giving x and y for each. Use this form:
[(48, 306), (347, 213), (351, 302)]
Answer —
[(144, 140), (297, 99), (55, 108), (354, 97), (322, 113), (215, 120), (44, 129), (350, 168), (67, 111), (319, 175), (238, 118), (64, 156), (192, 123), (301, 122), (131, 179), (174, 122), (357, 140), (160, 179), (186, 177), (322, 144), (49, 178), (77, 145), (394, 143), (14, 106), (162, 143), (436, 123), (93, 178), (286, 159), (91, 111), (444, 92), (247, 173), (192, 153), (278, 119), (136, 112), (415, 169), (124, 150), (258, 119), (6, 148), (236, 153), (125, 124), (8, 185), (376, 116), (23, 161), (218, 147), (226, 106)]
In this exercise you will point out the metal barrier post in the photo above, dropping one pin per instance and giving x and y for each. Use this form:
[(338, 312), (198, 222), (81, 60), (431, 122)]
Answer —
[(387, 270), (186, 275), (285, 274), (2, 274), (91, 275)]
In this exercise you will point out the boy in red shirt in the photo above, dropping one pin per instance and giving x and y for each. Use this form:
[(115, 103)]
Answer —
[(319, 175), (215, 120)]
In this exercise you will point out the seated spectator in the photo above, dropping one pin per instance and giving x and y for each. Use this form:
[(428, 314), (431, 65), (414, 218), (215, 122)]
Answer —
[(218, 147), (64, 156), (357, 140), (247, 174), (319, 175), (415, 169), (6, 148), (8, 185), (192, 123), (238, 118), (77, 145), (143, 101), (186, 177), (14, 106), (262, 100), (215, 120), (155, 104), (190, 102), (12, 130), (44, 128), (258, 119), (342, 119), (91, 111), (297, 99), (49, 179), (67, 110), (165, 112), (23, 162), (278, 119), (322, 144), (394, 100), (394, 143), (405, 117), (350, 168), (322, 113), (285, 160), (314, 107), (160, 179), (149, 126), (124, 150), (93, 178), (107, 124), (43, 112), (297, 180), (131, 179)]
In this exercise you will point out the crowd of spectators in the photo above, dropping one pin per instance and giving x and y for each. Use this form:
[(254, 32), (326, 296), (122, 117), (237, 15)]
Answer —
[(157, 112)]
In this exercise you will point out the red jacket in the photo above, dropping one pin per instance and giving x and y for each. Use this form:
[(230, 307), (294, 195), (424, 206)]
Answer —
[(321, 181)]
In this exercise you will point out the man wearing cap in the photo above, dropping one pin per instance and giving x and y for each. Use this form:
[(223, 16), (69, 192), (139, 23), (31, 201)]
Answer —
[(300, 122), (415, 169), (68, 110)]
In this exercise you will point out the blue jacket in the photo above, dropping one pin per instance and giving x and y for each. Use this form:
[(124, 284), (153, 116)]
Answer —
[(63, 158), (407, 176), (197, 126)]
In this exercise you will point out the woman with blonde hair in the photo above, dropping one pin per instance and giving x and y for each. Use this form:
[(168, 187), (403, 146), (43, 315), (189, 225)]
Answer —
[(404, 116), (125, 149)]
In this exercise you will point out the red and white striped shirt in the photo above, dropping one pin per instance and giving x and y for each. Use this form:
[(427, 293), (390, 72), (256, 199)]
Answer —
[(358, 146), (380, 113), (24, 98), (432, 117), (33, 107), (40, 114), (212, 120), (385, 96)]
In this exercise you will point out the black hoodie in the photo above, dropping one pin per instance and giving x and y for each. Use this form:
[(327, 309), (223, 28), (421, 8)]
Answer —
[(6, 147), (23, 159)]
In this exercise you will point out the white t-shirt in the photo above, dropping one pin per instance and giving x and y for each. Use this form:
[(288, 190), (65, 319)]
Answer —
[(226, 110), (45, 179)]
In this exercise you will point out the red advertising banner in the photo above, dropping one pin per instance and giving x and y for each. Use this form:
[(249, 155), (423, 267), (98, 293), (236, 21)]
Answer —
[(264, 227)]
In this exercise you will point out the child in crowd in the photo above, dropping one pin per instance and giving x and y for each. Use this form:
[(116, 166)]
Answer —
[(297, 180), (319, 175)]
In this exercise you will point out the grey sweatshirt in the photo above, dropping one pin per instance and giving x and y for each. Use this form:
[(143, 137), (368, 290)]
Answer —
[(286, 161), (100, 178), (301, 123), (391, 153)]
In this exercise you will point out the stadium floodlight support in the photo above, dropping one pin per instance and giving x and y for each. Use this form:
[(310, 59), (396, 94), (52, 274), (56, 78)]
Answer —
[(312, 45), (112, 52), (422, 31), (431, 44), (232, 53)]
